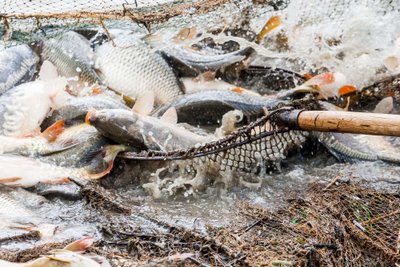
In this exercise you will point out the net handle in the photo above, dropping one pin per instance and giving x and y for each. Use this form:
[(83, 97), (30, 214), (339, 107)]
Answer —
[(342, 122)]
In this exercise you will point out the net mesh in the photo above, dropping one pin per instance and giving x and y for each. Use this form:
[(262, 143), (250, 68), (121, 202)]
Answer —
[(116, 9), (261, 143), (336, 224), (352, 37)]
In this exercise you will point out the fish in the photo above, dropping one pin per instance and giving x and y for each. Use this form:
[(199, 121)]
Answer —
[(76, 108), (325, 85), (15, 217), (90, 141), (190, 63), (271, 24), (45, 143), (209, 106), (17, 65), (23, 108), (264, 80), (137, 128), (355, 147), (369, 96), (130, 67), (73, 57), (71, 256), (26, 172)]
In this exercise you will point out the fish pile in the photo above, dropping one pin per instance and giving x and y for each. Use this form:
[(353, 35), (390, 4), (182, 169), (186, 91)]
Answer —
[(71, 104)]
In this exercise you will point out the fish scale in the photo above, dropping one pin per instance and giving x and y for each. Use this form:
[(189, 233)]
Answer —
[(17, 64), (132, 68), (72, 55), (16, 116)]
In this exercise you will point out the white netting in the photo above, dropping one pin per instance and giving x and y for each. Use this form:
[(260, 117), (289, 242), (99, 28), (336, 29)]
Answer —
[(353, 37)]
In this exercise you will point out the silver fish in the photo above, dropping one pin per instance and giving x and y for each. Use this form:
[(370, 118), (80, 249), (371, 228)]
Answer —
[(27, 172), (23, 108), (73, 57), (189, 62), (209, 106), (129, 127), (353, 147), (75, 108), (129, 66), (90, 141), (12, 212), (31, 146), (17, 65)]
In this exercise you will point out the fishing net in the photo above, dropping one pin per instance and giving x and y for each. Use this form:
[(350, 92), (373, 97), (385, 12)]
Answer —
[(352, 37), (336, 224), (250, 147)]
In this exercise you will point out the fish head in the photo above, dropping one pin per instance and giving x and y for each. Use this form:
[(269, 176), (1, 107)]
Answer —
[(121, 126)]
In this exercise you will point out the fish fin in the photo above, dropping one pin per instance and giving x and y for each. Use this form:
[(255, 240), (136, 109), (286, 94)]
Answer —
[(207, 76), (145, 103), (153, 40), (346, 89), (60, 180), (95, 90), (185, 34), (34, 133), (321, 79), (48, 71), (9, 180), (170, 116), (384, 106), (271, 24), (95, 176), (80, 244), (238, 90), (55, 258), (111, 153), (307, 76), (53, 131)]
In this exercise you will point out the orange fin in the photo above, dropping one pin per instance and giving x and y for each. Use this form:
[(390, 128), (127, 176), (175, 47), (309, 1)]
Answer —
[(238, 90), (271, 24), (9, 180), (54, 131), (346, 89), (96, 176), (95, 90), (80, 244), (307, 76)]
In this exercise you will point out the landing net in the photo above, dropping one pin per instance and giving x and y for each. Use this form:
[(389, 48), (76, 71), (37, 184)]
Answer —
[(260, 143)]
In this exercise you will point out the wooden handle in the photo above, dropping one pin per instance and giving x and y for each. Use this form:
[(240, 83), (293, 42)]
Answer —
[(343, 122)]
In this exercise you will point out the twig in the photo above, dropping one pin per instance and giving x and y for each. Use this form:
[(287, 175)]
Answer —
[(381, 217), (334, 180)]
